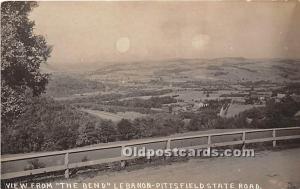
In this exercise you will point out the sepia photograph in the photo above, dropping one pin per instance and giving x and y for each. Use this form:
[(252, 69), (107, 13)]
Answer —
[(164, 94)]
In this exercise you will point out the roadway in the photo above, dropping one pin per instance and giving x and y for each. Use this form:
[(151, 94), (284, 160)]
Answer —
[(268, 170)]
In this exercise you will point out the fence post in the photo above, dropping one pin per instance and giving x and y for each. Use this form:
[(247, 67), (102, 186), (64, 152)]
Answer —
[(123, 162), (209, 141), (274, 138), (67, 174), (244, 139), (168, 146), (122, 149)]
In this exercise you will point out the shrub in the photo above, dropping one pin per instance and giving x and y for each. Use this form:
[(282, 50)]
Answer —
[(106, 131), (127, 130)]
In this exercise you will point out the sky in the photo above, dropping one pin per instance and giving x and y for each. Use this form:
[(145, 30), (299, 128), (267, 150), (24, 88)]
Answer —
[(140, 31)]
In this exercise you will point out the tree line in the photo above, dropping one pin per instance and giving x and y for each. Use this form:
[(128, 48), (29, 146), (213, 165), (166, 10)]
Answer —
[(48, 125)]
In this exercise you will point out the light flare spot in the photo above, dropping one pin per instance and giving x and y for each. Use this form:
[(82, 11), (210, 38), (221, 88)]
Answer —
[(123, 44), (200, 41)]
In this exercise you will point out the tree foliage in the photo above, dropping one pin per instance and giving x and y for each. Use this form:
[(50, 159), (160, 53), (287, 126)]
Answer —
[(22, 52), (127, 130)]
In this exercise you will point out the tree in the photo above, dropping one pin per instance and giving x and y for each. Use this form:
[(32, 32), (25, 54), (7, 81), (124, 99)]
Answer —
[(87, 134), (127, 130), (106, 131), (199, 122), (22, 52)]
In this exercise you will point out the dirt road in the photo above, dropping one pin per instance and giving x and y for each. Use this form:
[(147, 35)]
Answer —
[(268, 170)]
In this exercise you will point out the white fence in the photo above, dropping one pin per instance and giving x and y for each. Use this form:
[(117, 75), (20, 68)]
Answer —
[(13, 167)]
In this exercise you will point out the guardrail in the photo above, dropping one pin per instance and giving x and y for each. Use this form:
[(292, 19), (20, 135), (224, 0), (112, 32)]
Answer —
[(13, 167)]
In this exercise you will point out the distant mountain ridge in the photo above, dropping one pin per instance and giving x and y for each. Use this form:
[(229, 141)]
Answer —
[(229, 69)]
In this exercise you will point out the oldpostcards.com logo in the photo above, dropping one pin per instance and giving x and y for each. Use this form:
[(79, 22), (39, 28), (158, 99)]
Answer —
[(180, 152)]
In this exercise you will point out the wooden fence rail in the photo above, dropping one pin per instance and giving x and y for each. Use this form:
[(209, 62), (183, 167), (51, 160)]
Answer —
[(13, 167)]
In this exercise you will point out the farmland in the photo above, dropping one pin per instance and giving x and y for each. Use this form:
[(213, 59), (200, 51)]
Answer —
[(135, 100), (189, 82), (115, 117)]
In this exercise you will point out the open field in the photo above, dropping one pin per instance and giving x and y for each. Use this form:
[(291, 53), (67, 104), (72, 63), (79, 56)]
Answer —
[(115, 117), (235, 109)]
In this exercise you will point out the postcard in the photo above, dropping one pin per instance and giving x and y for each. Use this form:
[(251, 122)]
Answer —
[(150, 94)]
